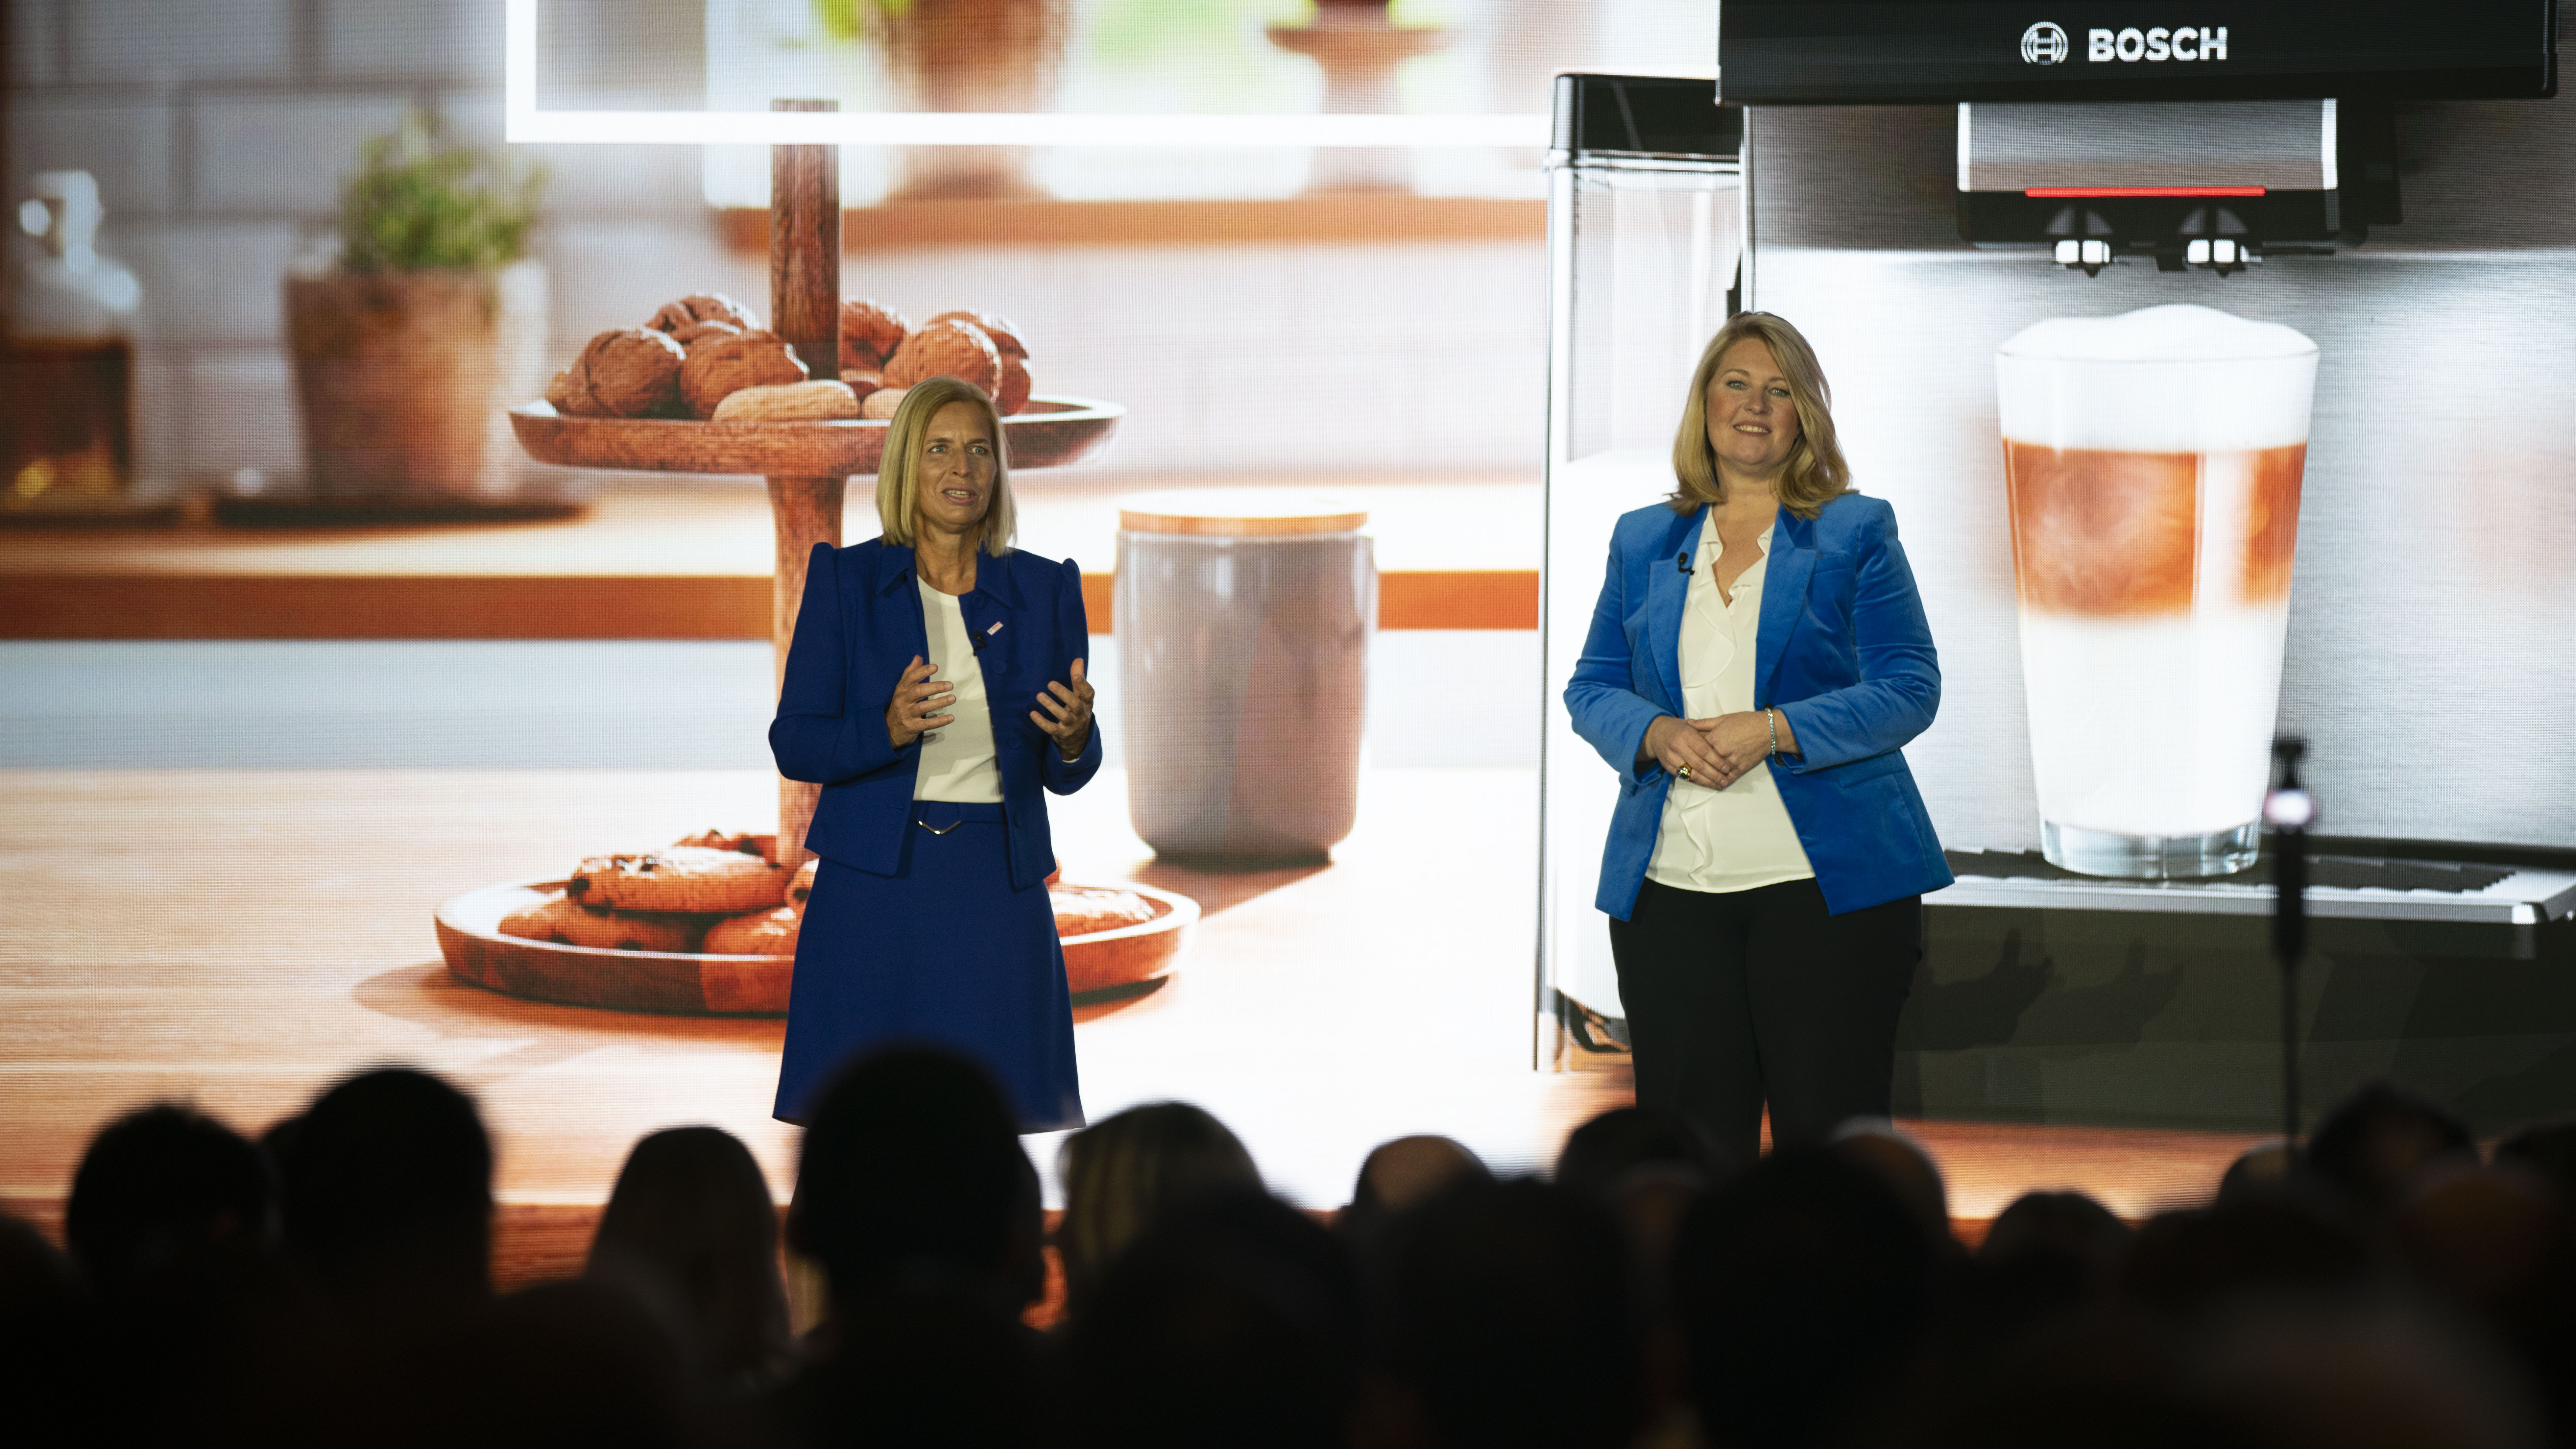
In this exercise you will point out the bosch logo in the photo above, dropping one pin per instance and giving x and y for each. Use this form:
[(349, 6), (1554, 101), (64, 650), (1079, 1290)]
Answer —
[(2183, 42), (2045, 44)]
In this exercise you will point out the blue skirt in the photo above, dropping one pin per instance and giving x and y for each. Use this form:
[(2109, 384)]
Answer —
[(944, 953)]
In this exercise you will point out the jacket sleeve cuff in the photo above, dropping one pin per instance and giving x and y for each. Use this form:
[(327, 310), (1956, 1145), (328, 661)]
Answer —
[(1629, 770)]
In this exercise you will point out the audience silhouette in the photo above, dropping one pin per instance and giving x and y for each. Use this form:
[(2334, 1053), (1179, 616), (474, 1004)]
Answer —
[(331, 1284)]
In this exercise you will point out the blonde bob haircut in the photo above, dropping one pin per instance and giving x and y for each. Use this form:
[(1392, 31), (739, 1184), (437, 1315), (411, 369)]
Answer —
[(899, 468), (1815, 473)]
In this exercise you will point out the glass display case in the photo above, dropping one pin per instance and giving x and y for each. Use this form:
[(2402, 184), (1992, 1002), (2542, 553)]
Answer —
[(1645, 231)]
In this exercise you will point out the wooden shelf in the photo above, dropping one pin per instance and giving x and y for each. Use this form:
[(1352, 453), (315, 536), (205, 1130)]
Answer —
[(644, 565), (909, 225)]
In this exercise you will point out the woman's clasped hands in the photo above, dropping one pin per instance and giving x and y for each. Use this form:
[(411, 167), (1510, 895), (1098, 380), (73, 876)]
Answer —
[(1714, 752)]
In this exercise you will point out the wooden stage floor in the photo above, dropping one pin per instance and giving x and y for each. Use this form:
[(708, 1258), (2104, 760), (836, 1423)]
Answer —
[(243, 938)]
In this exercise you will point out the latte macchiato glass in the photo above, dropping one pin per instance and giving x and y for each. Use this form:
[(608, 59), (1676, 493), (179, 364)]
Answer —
[(2153, 461)]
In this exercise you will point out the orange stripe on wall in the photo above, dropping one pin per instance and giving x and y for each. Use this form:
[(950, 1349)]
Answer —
[(1430, 599), (1097, 591), (709, 606), (380, 606), (1461, 599)]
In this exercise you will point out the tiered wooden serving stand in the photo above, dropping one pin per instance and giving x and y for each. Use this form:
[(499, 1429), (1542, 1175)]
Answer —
[(807, 465)]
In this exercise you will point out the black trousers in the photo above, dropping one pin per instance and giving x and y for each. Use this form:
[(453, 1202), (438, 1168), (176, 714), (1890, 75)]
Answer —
[(1740, 998)]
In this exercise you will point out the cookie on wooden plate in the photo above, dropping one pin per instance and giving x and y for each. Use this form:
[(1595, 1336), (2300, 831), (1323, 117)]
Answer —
[(742, 842), (1081, 910), (761, 933), (680, 878), (566, 924)]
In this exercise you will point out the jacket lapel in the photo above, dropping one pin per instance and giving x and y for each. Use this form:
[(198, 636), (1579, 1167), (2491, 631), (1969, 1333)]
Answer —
[(1667, 588), (1784, 597)]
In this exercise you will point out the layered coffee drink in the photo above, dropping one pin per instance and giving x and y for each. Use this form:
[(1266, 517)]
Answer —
[(2153, 461)]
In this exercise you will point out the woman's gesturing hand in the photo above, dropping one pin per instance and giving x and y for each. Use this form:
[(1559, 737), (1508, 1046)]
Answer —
[(1679, 746), (917, 700), (1071, 706)]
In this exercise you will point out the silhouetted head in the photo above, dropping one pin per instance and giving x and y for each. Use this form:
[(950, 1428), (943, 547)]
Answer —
[(2493, 1239), (2548, 1151), (2187, 1265), (2067, 1228), (161, 1186), (559, 1366), (1124, 1173), (924, 1363), (2262, 1170), (388, 1191), (1623, 1139), (1505, 1317), (2373, 1145), (1237, 1321), (45, 1341), (1875, 1146), (1396, 1175), (2362, 1374), (2047, 1256), (692, 1229), (912, 1172), (1802, 1289)]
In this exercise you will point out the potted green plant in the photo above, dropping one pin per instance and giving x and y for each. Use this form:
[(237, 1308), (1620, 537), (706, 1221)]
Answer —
[(430, 320)]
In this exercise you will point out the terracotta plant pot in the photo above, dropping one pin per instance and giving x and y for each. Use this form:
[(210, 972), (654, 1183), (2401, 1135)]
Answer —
[(974, 55), (404, 379)]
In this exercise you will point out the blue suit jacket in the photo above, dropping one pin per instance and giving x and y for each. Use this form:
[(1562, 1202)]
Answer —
[(860, 625), (1843, 651)]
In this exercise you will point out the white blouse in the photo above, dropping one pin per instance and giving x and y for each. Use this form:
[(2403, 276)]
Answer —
[(1740, 837), (957, 760)]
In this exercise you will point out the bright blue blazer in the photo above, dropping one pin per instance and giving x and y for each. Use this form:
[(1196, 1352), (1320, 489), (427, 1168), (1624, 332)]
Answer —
[(1843, 651), (860, 625)]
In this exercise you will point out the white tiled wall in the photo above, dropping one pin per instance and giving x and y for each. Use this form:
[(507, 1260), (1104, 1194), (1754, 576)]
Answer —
[(218, 130)]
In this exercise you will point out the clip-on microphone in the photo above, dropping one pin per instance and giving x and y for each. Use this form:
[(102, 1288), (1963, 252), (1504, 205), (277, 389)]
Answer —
[(1681, 561)]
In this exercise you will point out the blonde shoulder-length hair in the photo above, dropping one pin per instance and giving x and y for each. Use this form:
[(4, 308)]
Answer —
[(899, 468), (1815, 474)]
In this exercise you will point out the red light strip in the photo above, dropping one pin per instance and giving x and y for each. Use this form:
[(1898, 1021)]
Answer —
[(2054, 192)]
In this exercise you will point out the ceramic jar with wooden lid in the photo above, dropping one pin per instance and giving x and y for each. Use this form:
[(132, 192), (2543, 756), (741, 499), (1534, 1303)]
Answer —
[(1243, 618)]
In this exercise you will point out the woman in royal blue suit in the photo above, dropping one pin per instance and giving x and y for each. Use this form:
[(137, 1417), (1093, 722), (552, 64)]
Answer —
[(916, 661), (1758, 657)]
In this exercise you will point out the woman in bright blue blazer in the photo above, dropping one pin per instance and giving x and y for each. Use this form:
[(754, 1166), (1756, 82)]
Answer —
[(1757, 660), (935, 690)]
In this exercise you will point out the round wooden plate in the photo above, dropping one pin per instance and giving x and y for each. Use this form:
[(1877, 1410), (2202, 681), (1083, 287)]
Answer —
[(469, 936), (1052, 432)]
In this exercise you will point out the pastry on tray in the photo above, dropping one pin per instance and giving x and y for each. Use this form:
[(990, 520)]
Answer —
[(627, 372), (701, 309), (870, 332), (1081, 910), (954, 348), (692, 878), (559, 920), (720, 366), (789, 402), (764, 846), (699, 351), (1006, 337), (758, 933), (722, 893)]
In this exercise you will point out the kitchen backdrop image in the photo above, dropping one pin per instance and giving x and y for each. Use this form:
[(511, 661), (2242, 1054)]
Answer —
[(421, 418), (418, 513)]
